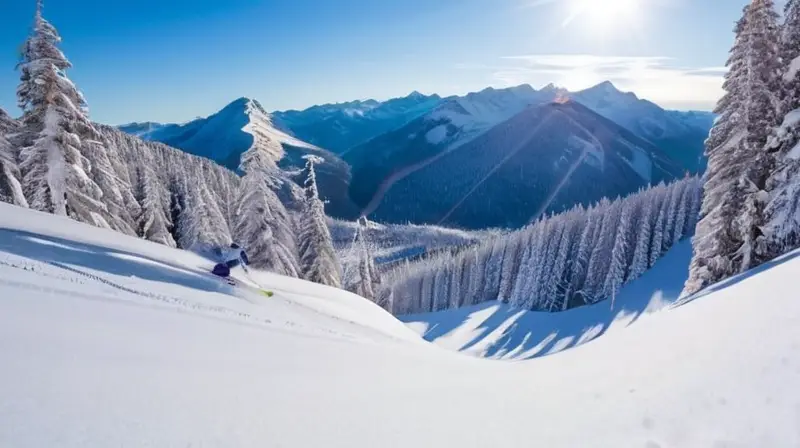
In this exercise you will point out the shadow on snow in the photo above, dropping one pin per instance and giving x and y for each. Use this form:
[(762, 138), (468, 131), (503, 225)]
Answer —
[(58, 251), (500, 331)]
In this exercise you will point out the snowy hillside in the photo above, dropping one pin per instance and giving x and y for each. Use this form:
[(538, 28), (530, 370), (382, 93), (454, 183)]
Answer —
[(559, 154), (339, 127), (107, 340)]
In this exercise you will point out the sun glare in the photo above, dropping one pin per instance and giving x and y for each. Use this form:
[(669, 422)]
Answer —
[(605, 13)]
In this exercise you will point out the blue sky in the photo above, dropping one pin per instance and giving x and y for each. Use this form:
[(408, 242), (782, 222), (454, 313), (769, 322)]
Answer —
[(175, 60)]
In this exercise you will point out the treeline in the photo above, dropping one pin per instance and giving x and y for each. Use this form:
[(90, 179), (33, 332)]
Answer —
[(575, 258)]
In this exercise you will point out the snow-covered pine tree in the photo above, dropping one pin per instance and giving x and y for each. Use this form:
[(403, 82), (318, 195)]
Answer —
[(762, 91), (10, 186), (318, 262), (661, 200), (641, 251), (263, 225), (674, 202), (123, 182), (366, 279), (55, 129), (477, 274), (532, 240), (580, 266), (684, 204), (618, 263), (441, 291), (555, 287), (494, 269), (538, 259), (456, 279), (693, 212), (782, 213), (425, 302), (547, 283), (201, 224), (119, 215), (601, 253), (728, 239), (153, 223), (511, 265)]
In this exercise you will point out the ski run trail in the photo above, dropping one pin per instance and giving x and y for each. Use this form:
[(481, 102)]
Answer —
[(111, 341)]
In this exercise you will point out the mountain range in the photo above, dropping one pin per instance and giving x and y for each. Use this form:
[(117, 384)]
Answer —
[(461, 160)]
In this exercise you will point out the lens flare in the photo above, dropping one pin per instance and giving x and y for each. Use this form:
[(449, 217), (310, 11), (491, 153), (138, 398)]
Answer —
[(604, 13)]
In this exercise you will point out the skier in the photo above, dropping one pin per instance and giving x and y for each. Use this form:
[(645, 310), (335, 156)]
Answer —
[(229, 259)]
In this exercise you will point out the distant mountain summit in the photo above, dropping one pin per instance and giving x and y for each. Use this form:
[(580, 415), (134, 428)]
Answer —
[(338, 127), (679, 134)]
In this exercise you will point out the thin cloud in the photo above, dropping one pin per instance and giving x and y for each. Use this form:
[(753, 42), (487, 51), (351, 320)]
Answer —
[(657, 78)]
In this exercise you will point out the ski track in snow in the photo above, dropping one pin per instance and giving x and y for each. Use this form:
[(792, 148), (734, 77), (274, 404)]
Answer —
[(221, 312)]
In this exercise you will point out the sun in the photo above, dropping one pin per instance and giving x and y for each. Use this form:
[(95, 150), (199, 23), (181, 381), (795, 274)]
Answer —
[(605, 13)]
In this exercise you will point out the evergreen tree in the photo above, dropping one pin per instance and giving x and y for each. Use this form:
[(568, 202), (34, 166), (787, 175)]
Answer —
[(602, 251), (728, 238), (55, 129), (511, 266), (366, 279), (619, 255), (763, 89), (494, 269), (662, 199), (782, 213), (318, 262), (201, 224), (682, 211), (580, 266), (641, 252), (263, 225), (456, 282), (10, 187), (555, 288), (674, 202), (153, 221)]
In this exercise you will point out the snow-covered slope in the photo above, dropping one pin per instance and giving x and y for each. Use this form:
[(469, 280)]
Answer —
[(89, 364), (339, 127), (107, 340)]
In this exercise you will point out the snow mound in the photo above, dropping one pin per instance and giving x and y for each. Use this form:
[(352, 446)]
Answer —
[(107, 340)]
